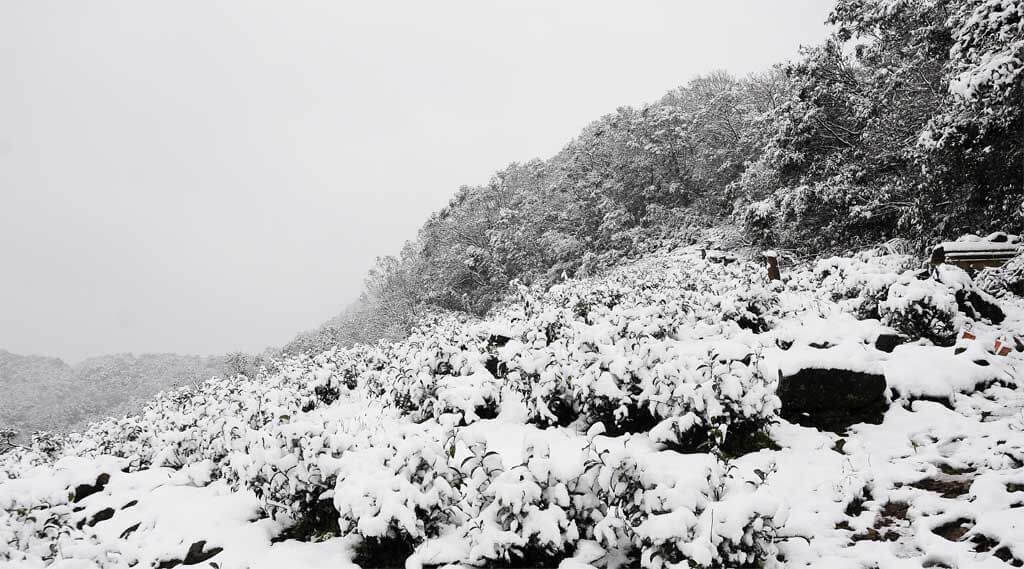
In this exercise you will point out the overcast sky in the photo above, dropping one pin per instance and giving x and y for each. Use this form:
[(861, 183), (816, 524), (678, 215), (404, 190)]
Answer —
[(202, 177)]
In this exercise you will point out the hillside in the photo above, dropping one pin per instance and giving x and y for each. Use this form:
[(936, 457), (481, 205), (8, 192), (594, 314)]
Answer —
[(904, 123), (668, 412), (583, 363)]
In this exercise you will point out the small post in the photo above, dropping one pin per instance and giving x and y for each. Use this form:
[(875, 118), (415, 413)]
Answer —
[(771, 259)]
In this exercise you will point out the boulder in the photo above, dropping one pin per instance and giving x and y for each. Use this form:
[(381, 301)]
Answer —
[(197, 553), (978, 307), (83, 491), (832, 399), (887, 341)]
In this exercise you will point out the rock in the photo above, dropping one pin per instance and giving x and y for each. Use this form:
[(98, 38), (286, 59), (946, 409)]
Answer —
[(495, 366), (130, 530), (197, 553), (832, 399), (887, 341), (498, 340), (102, 515), (954, 530), (974, 305), (83, 491)]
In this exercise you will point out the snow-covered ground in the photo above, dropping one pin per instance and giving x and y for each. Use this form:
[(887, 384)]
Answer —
[(616, 420)]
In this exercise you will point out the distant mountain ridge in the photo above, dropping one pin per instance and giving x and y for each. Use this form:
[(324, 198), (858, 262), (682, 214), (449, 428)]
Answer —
[(45, 393)]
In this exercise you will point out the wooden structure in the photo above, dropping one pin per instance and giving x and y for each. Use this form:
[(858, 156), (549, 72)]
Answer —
[(975, 255), (715, 256), (771, 261)]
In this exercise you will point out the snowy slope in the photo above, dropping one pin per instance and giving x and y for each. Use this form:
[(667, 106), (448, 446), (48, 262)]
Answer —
[(614, 420)]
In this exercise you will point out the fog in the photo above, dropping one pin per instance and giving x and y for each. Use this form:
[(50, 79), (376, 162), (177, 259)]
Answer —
[(200, 177)]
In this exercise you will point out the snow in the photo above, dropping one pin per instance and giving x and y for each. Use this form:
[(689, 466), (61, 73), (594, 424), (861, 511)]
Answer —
[(930, 371), (847, 356), (959, 246), (834, 328), (600, 441)]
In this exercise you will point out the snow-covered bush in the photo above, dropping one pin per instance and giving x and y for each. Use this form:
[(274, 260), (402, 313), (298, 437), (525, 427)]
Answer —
[(753, 307), (396, 486), (924, 303), (861, 282), (922, 307), (682, 508), (518, 510), (729, 398), (289, 469), (7, 439), (1003, 281), (935, 304), (440, 370), (609, 353), (36, 513)]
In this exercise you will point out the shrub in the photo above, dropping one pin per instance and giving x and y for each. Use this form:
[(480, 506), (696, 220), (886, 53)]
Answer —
[(920, 306), (862, 282), (395, 487), (753, 307), (677, 508), (7, 436)]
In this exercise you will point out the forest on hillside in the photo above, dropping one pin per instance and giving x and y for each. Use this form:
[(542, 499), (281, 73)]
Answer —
[(905, 123), (47, 394)]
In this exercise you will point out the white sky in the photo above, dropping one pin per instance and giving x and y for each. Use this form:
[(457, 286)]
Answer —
[(201, 177)]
